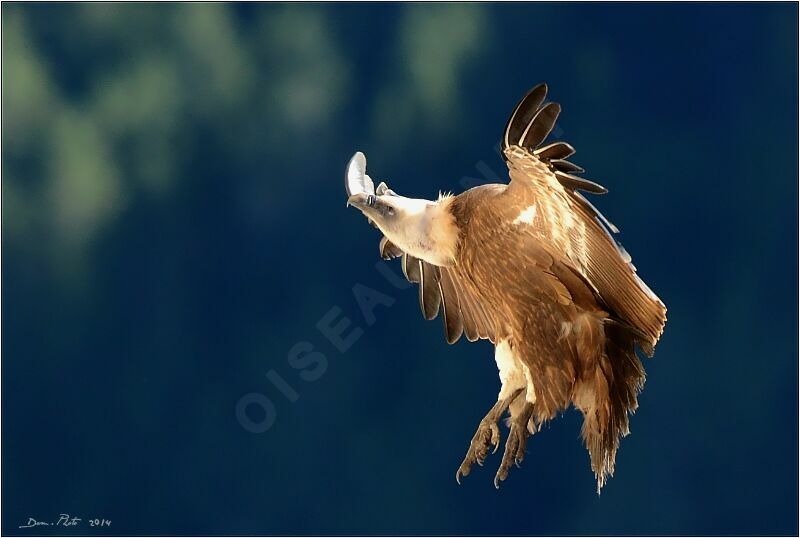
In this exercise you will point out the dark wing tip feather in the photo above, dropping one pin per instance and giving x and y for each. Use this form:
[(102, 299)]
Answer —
[(556, 150), (389, 250), (441, 290), (566, 166), (429, 297), (411, 268), (540, 126), (578, 183), (539, 122), (453, 324), (523, 114), (451, 311)]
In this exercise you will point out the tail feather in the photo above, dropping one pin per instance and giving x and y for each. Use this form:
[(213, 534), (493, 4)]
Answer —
[(607, 395)]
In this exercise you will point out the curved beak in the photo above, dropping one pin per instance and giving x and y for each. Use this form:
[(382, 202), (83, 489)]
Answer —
[(352, 200), (360, 200)]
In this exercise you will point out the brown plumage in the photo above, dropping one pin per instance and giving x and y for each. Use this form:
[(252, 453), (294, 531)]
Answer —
[(536, 270)]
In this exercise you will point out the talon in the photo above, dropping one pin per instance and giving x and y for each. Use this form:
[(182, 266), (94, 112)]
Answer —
[(520, 452), (515, 446), (497, 479), (488, 434), (495, 439)]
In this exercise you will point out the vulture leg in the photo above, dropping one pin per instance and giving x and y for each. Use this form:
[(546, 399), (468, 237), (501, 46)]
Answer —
[(488, 434), (514, 453)]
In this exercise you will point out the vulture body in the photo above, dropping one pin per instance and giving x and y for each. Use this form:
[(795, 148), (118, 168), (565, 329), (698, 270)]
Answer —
[(532, 266)]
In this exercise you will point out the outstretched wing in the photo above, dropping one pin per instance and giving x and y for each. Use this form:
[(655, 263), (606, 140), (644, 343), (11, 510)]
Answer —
[(442, 289), (565, 219)]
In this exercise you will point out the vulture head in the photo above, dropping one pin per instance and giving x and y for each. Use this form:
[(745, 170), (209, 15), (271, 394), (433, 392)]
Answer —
[(422, 228)]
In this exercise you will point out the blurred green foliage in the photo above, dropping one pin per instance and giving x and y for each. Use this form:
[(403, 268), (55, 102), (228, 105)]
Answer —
[(86, 138)]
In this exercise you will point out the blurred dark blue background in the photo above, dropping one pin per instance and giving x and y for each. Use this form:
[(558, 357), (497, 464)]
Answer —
[(174, 224)]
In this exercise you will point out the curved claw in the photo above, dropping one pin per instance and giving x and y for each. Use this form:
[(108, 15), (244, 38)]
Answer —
[(488, 434), (502, 471), (521, 451), (514, 450), (463, 470), (495, 440), (498, 479)]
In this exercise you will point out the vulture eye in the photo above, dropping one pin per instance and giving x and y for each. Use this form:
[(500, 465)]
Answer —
[(371, 200)]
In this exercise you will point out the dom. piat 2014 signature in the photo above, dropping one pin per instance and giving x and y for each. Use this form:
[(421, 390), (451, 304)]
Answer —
[(66, 520)]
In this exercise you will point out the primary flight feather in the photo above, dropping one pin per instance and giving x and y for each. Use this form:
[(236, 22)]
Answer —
[(533, 267)]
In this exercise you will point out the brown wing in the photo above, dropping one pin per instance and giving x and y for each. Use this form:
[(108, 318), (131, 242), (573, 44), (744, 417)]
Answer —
[(566, 220), (462, 292), (442, 289)]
